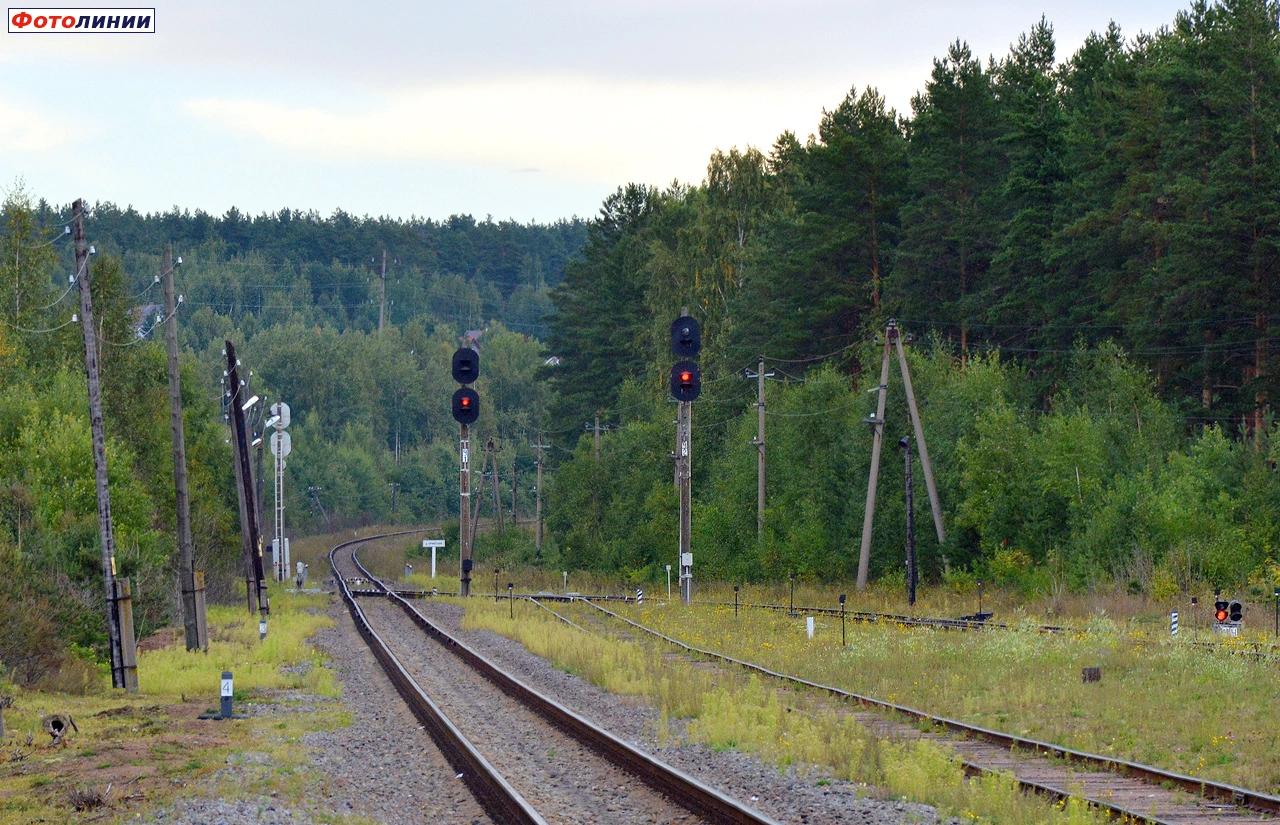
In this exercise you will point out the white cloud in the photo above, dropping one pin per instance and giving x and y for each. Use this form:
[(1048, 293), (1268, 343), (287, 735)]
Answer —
[(580, 128), (23, 129)]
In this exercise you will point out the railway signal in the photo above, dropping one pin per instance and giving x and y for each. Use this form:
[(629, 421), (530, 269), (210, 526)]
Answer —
[(466, 405), (1236, 612), (1220, 611), (465, 367), (686, 381), (686, 385), (686, 337)]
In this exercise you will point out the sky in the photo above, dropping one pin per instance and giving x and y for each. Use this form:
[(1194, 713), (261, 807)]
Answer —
[(525, 110)]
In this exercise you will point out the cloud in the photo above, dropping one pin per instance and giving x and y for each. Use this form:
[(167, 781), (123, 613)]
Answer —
[(23, 129), (580, 128)]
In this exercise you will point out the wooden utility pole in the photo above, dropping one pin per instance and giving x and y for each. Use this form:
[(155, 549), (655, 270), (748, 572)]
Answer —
[(464, 510), (537, 506), (596, 438), (105, 533), (892, 338), (250, 526), (186, 554), (382, 293), (877, 438)]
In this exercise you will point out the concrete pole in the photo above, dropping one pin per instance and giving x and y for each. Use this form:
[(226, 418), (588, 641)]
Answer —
[(760, 466), (186, 550), (464, 510), (925, 464), (106, 535), (537, 490), (869, 510), (686, 500)]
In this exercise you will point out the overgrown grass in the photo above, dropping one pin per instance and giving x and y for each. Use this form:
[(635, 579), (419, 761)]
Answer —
[(234, 646), (1166, 703), (727, 711)]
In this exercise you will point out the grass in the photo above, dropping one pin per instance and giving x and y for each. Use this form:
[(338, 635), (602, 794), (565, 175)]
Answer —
[(727, 711), (150, 747), (1167, 703), (234, 646)]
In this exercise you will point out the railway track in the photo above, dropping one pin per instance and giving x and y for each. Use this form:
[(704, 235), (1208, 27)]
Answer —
[(556, 764), (1137, 792)]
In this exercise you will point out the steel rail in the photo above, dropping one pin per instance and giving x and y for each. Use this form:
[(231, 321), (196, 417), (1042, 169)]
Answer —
[(680, 787), (1208, 789), (498, 798)]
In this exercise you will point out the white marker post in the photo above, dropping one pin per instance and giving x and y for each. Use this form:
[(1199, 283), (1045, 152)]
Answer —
[(434, 544), (808, 625), (225, 694)]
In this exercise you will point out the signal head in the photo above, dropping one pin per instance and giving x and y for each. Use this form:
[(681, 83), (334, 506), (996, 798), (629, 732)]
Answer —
[(686, 337), (466, 406), (466, 365), (1236, 611), (686, 381)]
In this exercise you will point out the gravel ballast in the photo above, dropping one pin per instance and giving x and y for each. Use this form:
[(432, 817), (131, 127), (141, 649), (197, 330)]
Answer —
[(787, 795)]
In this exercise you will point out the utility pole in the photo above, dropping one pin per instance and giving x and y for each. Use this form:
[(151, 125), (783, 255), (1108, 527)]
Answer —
[(925, 465), (186, 553), (479, 499), (759, 375), (105, 532), (912, 574), (514, 520), (596, 438), (537, 506), (492, 449), (893, 337), (877, 438), (382, 293), (251, 537), (464, 510)]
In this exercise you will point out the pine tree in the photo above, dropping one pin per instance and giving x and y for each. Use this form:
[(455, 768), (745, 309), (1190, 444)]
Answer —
[(949, 223)]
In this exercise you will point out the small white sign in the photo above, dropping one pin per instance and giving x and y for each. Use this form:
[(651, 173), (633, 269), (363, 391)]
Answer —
[(281, 443), (281, 410), (226, 687), (439, 543), (808, 625), (686, 560)]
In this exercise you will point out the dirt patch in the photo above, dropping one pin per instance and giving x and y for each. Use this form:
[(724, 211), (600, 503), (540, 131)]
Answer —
[(121, 757), (162, 638)]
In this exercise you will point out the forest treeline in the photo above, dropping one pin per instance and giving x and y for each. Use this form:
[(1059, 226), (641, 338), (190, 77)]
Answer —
[(1087, 253)]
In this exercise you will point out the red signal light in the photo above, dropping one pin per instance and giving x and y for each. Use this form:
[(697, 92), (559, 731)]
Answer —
[(466, 402), (1221, 615), (686, 377)]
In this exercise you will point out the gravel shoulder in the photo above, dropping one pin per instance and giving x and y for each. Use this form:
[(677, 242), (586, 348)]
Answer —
[(790, 795), (381, 768)]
